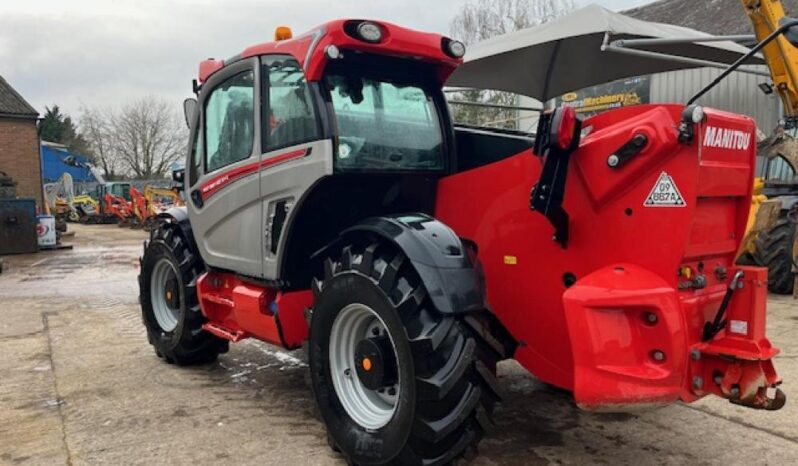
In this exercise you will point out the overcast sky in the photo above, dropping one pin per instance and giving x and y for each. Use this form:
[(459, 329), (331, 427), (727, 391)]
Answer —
[(105, 52)]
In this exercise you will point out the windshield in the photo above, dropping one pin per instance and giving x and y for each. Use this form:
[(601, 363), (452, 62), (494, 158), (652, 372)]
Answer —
[(385, 126)]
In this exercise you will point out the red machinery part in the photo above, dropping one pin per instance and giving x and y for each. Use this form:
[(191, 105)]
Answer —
[(738, 363), (396, 40), (619, 315), (653, 240), (237, 309)]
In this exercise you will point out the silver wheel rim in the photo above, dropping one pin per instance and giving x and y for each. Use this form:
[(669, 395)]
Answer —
[(371, 409), (166, 317)]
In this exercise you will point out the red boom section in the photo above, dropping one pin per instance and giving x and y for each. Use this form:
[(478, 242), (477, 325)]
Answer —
[(652, 249)]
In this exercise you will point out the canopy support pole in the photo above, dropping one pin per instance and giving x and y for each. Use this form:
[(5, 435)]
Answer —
[(621, 46)]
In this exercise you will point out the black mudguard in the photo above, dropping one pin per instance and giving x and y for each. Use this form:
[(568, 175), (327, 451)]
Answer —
[(446, 263), (179, 216)]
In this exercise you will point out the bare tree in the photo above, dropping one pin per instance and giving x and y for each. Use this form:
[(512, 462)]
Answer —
[(95, 125), (482, 19), (479, 20), (147, 136)]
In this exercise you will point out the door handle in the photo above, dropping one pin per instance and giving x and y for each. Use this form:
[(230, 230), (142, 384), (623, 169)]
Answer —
[(196, 198)]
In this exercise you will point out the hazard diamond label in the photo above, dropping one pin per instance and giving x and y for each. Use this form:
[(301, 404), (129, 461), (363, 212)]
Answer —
[(665, 194)]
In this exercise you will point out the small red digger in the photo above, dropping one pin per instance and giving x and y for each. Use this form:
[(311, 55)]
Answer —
[(331, 200)]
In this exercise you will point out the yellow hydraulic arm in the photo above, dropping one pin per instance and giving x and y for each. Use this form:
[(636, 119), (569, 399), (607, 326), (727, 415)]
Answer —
[(780, 55)]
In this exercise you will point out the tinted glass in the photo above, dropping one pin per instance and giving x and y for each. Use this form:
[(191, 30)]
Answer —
[(230, 121), (385, 126), (196, 159), (292, 116)]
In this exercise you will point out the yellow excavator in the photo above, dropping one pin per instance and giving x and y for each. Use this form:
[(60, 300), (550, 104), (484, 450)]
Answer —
[(770, 238)]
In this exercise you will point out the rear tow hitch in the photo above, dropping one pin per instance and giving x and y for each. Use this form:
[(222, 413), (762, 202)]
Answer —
[(761, 400), (735, 358)]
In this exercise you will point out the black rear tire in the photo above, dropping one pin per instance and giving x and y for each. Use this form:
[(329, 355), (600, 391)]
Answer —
[(774, 250), (187, 343), (447, 380)]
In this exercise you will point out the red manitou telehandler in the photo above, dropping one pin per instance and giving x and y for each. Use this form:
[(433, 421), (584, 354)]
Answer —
[(331, 200)]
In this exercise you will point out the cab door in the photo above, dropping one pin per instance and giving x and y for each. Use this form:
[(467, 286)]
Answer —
[(224, 187), (297, 152)]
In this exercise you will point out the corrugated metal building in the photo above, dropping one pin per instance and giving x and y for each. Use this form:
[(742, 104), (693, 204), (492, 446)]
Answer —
[(739, 93)]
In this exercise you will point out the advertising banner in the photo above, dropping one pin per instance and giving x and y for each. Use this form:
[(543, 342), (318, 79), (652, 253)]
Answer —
[(597, 99)]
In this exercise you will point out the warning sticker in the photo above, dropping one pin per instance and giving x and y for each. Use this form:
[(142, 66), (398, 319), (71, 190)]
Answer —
[(665, 194)]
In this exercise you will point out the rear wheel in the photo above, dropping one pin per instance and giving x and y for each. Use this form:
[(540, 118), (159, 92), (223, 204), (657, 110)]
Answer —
[(396, 381), (169, 305), (774, 250)]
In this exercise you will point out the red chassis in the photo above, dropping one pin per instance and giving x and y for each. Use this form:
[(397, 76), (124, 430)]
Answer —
[(620, 316)]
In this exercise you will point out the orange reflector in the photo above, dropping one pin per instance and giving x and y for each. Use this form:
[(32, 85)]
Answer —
[(367, 364), (283, 33)]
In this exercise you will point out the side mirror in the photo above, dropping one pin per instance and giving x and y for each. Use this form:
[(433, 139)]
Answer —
[(791, 34), (189, 107), (179, 175)]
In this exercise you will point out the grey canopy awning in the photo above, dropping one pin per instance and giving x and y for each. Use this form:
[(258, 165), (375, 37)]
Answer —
[(571, 53)]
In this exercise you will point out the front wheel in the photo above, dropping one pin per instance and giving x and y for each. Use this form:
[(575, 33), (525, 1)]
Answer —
[(169, 303), (396, 381)]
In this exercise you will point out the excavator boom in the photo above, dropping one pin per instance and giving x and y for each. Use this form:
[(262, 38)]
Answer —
[(780, 55)]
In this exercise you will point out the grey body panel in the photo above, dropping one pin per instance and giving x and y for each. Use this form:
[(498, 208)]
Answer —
[(289, 182), (227, 227)]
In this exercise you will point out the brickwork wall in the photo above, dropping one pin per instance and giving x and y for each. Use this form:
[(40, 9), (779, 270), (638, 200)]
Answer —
[(19, 156)]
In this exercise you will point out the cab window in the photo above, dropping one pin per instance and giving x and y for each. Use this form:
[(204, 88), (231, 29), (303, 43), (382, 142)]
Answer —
[(196, 159), (230, 121), (385, 125), (291, 115)]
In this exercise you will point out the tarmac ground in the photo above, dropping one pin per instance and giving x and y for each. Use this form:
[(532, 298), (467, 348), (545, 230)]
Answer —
[(80, 385)]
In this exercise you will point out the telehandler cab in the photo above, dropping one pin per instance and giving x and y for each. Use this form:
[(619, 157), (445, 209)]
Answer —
[(330, 199)]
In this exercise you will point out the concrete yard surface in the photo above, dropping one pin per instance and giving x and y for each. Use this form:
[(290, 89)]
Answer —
[(80, 385)]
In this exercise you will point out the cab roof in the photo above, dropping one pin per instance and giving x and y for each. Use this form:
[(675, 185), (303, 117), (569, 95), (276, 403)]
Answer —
[(309, 48)]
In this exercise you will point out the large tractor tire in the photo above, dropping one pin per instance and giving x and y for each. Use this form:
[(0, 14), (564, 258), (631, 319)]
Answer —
[(396, 381), (169, 304), (774, 251)]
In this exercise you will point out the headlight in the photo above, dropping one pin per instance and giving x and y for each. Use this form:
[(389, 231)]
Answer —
[(455, 49), (698, 114), (369, 32), (333, 52)]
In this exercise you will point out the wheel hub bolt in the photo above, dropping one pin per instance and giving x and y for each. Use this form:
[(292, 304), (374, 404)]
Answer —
[(658, 355)]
